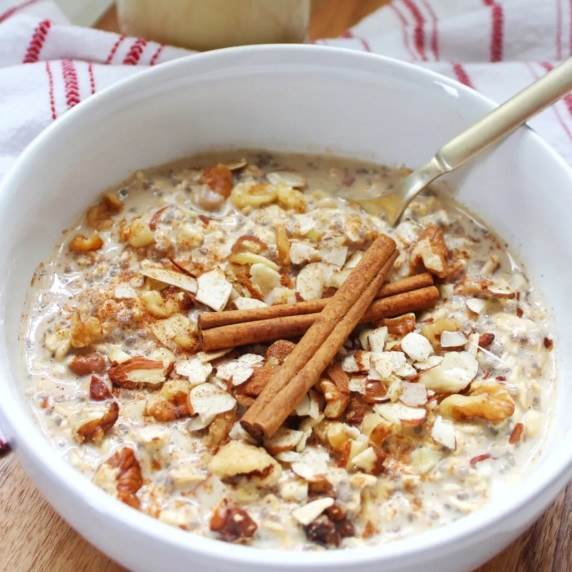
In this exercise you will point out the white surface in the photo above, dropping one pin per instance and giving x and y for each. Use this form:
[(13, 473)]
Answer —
[(282, 98), (84, 12)]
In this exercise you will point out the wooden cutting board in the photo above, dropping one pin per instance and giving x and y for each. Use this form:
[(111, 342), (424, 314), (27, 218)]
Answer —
[(34, 537)]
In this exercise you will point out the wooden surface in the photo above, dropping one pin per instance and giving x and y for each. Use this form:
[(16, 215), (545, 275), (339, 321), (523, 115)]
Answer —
[(34, 537)]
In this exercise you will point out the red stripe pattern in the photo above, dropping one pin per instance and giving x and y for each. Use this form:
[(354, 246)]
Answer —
[(71, 84), (134, 54), (91, 78), (362, 41), (419, 33), (497, 30), (403, 23), (15, 9), (435, 31), (156, 55), (37, 42), (114, 49), (462, 76), (554, 108), (51, 90)]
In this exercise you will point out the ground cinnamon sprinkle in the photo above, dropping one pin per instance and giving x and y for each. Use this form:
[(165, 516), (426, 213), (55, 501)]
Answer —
[(218, 290)]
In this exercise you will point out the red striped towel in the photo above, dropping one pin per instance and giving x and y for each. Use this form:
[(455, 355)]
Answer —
[(495, 46)]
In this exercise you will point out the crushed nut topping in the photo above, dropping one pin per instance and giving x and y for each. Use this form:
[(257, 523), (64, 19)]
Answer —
[(411, 425)]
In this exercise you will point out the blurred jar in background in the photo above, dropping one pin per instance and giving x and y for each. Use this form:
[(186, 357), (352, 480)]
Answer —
[(211, 24)]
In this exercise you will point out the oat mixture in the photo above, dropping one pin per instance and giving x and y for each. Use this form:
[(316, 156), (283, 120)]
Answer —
[(421, 418)]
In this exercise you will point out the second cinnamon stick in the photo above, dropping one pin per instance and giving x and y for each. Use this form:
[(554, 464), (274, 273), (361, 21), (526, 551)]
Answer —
[(294, 326)]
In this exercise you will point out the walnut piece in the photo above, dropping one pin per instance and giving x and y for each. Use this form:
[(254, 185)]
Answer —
[(94, 429), (81, 243), (98, 389), (83, 333), (491, 402), (99, 216), (232, 523), (431, 252), (121, 477)]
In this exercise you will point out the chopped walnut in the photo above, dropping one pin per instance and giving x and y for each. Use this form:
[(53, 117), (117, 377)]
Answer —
[(83, 333), (491, 402), (232, 523), (81, 243), (99, 216), (430, 251), (94, 429), (121, 476), (99, 390)]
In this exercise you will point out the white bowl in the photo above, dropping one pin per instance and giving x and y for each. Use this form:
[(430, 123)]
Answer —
[(294, 98)]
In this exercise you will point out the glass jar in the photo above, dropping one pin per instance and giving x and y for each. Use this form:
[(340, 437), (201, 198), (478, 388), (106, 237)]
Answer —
[(210, 24)]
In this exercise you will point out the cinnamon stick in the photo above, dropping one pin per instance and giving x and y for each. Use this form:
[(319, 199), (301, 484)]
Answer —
[(209, 320), (245, 333), (324, 338)]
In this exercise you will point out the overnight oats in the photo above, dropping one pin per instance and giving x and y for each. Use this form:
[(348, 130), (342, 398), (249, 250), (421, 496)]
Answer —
[(231, 347)]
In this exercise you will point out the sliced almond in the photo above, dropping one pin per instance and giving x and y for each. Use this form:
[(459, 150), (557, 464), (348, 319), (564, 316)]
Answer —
[(359, 362), (400, 414), (453, 374), (211, 356), (451, 340), (284, 440), (443, 432), (357, 384), (377, 339), (416, 346), (235, 371), (333, 254), (413, 394), (124, 291), (264, 278), (311, 511), (312, 464), (175, 329), (476, 305), (310, 282), (213, 289), (250, 258), (194, 369), (167, 276), (208, 400), (290, 178), (301, 252), (500, 291), (248, 303)]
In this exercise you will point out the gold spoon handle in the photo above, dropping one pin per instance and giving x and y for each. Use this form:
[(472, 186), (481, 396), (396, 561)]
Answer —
[(494, 126)]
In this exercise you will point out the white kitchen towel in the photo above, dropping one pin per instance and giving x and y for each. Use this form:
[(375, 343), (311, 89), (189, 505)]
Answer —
[(498, 47)]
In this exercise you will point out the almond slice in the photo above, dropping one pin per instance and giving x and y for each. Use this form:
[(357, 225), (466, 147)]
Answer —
[(416, 346), (290, 178), (194, 369), (451, 340), (476, 305), (301, 252), (167, 276), (236, 371), (284, 440), (312, 465), (377, 339), (443, 432), (311, 511), (213, 289), (359, 362), (400, 414), (310, 282), (248, 303), (413, 394), (208, 400), (453, 374)]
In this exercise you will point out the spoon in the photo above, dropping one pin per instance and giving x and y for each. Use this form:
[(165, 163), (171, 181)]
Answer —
[(493, 127)]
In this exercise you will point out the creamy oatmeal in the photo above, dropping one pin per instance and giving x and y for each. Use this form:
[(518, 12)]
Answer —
[(421, 418)]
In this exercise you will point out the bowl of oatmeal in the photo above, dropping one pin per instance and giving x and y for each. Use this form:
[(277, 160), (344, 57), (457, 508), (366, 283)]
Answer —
[(208, 222)]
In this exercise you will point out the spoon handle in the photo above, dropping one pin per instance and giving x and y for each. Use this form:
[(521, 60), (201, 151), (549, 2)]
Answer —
[(506, 118)]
